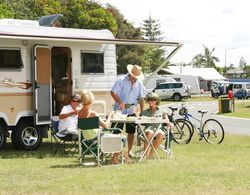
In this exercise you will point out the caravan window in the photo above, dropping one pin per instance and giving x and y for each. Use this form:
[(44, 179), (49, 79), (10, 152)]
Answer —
[(92, 62), (10, 58)]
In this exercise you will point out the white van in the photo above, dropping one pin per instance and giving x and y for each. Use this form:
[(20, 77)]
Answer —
[(241, 85), (172, 90), (222, 87), (190, 80), (156, 80)]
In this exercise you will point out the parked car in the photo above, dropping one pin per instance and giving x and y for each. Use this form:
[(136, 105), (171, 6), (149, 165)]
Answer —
[(241, 94), (172, 90)]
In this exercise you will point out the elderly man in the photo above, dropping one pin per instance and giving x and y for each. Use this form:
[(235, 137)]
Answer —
[(127, 90)]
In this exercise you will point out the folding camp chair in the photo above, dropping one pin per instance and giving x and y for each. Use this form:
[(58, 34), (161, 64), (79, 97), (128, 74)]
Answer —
[(103, 142), (166, 145), (64, 145)]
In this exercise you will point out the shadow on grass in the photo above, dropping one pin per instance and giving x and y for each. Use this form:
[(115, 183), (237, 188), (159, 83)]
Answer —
[(73, 166), (46, 150), (66, 166)]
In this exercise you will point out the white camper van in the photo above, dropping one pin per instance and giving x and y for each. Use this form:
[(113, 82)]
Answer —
[(42, 66)]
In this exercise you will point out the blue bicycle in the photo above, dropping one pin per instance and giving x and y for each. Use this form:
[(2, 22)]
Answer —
[(211, 129), (181, 132)]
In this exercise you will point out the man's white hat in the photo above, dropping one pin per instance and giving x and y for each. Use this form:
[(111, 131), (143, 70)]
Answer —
[(135, 71)]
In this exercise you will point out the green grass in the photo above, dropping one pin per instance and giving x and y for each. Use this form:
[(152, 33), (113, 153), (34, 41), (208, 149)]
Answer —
[(242, 109), (196, 168)]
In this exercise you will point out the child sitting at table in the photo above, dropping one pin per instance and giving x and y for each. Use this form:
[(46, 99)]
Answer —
[(154, 111)]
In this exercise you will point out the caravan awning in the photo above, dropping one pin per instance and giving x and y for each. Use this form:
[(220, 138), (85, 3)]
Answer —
[(32, 32)]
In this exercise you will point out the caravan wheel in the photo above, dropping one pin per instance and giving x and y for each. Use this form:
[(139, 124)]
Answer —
[(3, 136), (26, 137)]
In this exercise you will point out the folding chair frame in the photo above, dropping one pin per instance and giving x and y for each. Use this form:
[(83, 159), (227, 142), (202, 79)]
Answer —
[(61, 141), (93, 123), (166, 148)]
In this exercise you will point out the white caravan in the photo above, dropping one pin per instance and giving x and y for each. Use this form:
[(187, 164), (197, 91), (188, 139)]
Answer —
[(42, 66)]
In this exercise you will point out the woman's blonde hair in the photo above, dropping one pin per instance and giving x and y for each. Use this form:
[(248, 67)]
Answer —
[(87, 97)]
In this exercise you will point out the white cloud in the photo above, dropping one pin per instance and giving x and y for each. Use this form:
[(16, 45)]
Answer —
[(218, 24)]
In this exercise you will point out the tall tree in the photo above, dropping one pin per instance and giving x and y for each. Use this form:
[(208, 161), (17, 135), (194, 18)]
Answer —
[(154, 56), (205, 60), (151, 29), (242, 63)]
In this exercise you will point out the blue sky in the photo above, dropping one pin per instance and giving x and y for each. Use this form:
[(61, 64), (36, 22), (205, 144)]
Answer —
[(219, 24)]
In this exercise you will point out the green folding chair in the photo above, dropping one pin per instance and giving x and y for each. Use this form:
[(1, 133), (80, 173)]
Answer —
[(102, 142)]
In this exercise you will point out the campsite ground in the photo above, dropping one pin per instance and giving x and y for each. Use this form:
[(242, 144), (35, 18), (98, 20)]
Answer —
[(196, 168)]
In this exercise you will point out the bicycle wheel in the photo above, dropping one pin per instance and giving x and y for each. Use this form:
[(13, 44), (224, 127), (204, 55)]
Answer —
[(181, 132), (213, 131), (189, 123)]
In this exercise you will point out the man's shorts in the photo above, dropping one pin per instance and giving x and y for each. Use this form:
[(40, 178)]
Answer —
[(130, 127)]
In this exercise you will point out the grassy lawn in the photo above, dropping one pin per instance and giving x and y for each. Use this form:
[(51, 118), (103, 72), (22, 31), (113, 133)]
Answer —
[(242, 109), (196, 168)]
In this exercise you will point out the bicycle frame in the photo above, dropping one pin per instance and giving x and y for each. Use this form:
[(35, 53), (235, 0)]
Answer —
[(180, 128), (204, 129), (188, 117)]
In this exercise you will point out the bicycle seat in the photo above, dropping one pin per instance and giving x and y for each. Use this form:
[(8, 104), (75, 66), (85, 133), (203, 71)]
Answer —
[(173, 108), (202, 111)]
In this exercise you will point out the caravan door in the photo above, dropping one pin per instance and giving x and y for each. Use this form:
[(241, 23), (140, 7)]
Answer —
[(42, 84)]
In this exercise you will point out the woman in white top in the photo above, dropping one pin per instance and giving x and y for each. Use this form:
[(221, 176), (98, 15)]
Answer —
[(68, 118)]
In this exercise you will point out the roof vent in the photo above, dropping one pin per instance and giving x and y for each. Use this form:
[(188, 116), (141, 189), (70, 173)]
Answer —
[(50, 20)]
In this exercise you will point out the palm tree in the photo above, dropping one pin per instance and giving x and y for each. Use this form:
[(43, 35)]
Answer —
[(205, 60)]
